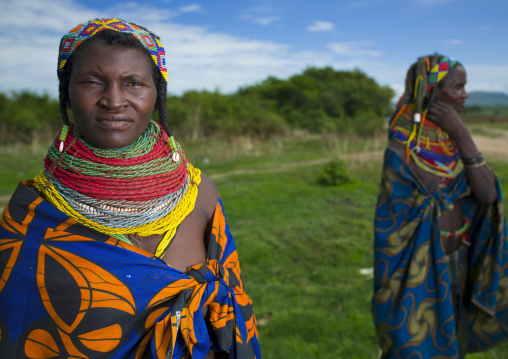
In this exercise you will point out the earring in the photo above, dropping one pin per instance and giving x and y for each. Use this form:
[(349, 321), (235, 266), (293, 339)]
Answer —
[(63, 136), (176, 155)]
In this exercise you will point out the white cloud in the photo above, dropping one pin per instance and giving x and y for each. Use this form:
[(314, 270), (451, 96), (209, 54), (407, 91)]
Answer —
[(198, 58), (191, 8), (133, 12), (353, 48), (41, 17), (29, 48), (321, 26)]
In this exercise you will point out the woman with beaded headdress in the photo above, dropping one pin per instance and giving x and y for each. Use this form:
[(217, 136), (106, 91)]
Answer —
[(441, 251), (119, 248)]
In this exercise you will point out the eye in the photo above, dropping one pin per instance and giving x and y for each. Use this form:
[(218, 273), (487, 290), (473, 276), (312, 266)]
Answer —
[(90, 82), (135, 83)]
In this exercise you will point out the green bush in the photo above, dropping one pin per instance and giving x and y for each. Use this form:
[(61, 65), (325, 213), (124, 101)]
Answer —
[(367, 123), (317, 100), (334, 173)]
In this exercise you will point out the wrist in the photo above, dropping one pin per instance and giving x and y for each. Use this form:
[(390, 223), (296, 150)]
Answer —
[(474, 162)]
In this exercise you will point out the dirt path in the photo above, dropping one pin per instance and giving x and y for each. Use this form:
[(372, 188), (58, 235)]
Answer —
[(362, 156), (494, 146), (489, 146)]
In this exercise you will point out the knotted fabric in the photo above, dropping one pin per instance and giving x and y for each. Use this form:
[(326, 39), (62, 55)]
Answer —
[(67, 290)]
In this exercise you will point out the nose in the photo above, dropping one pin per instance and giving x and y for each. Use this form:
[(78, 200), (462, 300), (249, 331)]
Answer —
[(113, 97), (465, 95)]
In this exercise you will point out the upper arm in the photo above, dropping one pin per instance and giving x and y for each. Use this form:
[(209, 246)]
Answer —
[(208, 197), (190, 244)]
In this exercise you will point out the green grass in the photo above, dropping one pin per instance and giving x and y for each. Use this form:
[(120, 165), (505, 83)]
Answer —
[(16, 163), (301, 245), (218, 157), (304, 246)]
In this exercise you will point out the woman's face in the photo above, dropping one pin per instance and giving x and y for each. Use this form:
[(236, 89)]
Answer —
[(453, 91), (112, 94)]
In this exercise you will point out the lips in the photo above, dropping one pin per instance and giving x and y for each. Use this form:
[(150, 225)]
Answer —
[(114, 122)]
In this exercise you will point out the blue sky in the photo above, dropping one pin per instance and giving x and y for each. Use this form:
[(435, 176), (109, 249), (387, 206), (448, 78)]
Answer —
[(226, 44)]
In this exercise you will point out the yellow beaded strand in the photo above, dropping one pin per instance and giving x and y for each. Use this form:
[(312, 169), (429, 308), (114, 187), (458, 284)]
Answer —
[(167, 224)]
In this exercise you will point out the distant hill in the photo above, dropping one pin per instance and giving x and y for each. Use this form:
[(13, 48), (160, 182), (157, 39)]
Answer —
[(487, 99)]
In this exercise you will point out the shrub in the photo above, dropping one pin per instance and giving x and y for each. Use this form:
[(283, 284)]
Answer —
[(334, 173)]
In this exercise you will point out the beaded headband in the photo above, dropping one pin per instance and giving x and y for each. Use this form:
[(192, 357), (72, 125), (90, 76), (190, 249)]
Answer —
[(83, 32), (439, 71)]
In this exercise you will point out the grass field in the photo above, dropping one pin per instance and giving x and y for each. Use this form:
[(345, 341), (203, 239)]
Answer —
[(302, 245)]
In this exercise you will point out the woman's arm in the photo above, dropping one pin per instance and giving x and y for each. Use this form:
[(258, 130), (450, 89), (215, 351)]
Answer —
[(190, 244), (481, 179)]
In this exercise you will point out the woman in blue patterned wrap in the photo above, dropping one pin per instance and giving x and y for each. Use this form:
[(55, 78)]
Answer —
[(119, 248), (441, 251)]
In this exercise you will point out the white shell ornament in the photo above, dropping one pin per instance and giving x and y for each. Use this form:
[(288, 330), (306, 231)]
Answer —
[(176, 157)]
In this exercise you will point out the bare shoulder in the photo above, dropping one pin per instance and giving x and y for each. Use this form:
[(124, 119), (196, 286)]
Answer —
[(207, 196)]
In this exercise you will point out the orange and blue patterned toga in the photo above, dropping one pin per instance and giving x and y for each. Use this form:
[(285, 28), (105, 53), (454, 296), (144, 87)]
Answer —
[(412, 305), (68, 291)]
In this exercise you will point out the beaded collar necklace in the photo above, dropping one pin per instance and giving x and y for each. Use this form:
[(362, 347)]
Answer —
[(431, 148), (140, 189)]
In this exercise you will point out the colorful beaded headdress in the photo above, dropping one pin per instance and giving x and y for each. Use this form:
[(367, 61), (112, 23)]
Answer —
[(83, 32), (439, 71)]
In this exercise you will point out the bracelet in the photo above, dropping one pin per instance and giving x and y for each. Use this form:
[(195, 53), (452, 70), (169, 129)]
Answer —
[(476, 165), (476, 161)]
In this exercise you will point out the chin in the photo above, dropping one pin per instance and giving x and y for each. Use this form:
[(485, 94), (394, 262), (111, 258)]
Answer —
[(106, 144)]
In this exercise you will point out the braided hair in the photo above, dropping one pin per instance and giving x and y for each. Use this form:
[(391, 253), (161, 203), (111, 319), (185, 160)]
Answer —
[(110, 37), (421, 97)]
